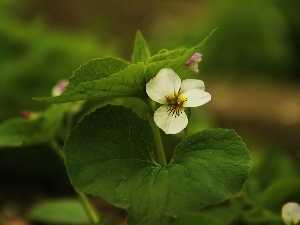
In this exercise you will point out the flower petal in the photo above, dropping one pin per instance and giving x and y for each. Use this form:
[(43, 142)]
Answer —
[(190, 84), (169, 123), (166, 84), (195, 98)]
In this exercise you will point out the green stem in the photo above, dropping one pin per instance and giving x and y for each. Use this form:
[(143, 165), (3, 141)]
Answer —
[(186, 130), (89, 209), (157, 137), (58, 150)]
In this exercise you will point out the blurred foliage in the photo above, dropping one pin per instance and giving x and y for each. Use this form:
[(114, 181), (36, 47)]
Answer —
[(255, 39), (50, 212), (33, 59)]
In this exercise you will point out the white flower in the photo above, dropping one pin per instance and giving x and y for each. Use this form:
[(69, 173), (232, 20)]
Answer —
[(192, 63), (291, 213), (166, 88)]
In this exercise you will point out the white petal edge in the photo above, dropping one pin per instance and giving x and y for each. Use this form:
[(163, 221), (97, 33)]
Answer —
[(195, 98), (166, 83), (168, 123), (190, 84)]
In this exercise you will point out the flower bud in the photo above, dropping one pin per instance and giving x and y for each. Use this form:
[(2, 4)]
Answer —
[(26, 114), (192, 63), (59, 87)]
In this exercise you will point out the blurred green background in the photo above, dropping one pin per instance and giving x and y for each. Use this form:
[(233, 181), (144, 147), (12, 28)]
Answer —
[(250, 66)]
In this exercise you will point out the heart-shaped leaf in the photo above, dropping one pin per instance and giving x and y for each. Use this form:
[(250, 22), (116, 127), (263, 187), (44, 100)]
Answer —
[(109, 154)]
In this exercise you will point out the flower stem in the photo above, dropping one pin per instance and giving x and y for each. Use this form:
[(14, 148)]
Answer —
[(186, 130), (161, 157), (58, 150), (89, 209)]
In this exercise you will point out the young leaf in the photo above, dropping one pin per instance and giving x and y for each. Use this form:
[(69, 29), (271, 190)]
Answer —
[(125, 83), (109, 154), (95, 69), (112, 78), (62, 211), (23, 132), (174, 59), (141, 51)]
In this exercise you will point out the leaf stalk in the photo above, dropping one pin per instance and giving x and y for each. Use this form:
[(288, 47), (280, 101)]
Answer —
[(161, 157), (89, 209)]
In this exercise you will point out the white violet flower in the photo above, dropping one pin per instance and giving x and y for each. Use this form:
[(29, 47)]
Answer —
[(192, 63), (291, 213), (167, 89)]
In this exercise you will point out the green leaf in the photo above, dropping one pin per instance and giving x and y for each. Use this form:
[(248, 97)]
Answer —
[(198, 219), (174, 59), (95, 69), (223, 214), (113, 78), (276, 162), (261, 216), (23, 132), (141, 51), (125, 83), (62, 211), (109, 154), (281, 192)]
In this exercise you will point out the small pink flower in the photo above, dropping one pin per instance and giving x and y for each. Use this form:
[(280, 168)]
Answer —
[(25, 114), (192, 63), (59, 87)]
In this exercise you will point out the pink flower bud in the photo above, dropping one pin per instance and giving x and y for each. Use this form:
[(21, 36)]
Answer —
[(192, 63), (59, 87), (25, 114)]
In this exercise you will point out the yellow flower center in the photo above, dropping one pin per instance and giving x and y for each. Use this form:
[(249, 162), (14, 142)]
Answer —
[(175, 104)]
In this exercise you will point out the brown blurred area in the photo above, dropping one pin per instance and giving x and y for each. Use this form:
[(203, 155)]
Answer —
[(112, 21)]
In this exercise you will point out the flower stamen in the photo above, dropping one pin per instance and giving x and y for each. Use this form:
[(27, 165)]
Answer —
[(175, 105), (175, 110)]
